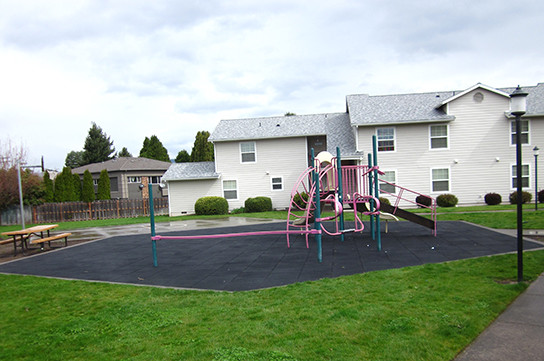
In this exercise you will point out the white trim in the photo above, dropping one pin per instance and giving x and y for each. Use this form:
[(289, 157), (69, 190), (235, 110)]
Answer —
[(396, 181), (476, 86), (512, 176), (254, 152), (447, 137), (272, 183), (449, 190), (394, 139), (223, 189), (511, 133)]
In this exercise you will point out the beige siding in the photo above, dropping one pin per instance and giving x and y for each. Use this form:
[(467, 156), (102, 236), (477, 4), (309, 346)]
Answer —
[(479, 155), (284, 158), (182, 195)]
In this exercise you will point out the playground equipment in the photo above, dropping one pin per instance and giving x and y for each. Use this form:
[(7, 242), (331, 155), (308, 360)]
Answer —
[(327, 182)]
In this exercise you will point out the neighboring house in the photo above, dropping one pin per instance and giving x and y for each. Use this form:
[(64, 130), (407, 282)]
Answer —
[(126, 174), (458, 142)]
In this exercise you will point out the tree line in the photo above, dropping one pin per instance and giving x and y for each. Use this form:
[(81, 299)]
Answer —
[(98, 147)]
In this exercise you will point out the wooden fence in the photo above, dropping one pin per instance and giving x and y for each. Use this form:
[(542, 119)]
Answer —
[(108, 209)]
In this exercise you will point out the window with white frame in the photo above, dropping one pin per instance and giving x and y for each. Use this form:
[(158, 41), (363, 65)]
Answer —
[(386, 139), (440, 179), (524, 125), (132, 179), (230, 189), (248, 153), (389, 176), (277, 183), (439, 136), (155, 179), (524, 176)]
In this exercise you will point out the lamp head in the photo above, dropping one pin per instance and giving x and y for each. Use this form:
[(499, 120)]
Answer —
[(536, 151), (518, 102)]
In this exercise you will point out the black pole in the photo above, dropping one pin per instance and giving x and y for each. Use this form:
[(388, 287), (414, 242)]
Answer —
[(536, 182), (519, 198)]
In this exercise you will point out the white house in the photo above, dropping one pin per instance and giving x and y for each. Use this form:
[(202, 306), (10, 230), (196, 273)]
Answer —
[(458, 142)]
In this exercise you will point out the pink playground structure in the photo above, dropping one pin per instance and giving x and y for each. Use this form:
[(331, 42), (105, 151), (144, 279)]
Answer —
[(327, 182)]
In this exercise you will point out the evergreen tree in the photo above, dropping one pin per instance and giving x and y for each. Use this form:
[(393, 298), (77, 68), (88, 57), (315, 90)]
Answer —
[(98, 146), (153, 149), (77, 187), (87, 189), (74, 159), (124, 153), (64, 186), (103, 186), (183, 156), (202, 149), (49, 195)]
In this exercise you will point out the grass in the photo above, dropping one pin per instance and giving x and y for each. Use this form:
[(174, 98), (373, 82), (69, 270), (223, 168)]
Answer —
[(428, 312)]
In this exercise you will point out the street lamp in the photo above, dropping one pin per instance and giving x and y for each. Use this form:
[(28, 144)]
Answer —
[(518, 107), (536, 153)]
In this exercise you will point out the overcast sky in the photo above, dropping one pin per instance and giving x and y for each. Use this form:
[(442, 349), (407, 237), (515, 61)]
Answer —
[(171, 68)]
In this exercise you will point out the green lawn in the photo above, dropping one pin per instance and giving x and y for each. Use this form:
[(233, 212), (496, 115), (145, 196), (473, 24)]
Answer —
[(428, 312)]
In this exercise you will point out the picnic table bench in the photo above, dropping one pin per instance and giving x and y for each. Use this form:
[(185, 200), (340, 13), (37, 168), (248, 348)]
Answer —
[(22, 236)]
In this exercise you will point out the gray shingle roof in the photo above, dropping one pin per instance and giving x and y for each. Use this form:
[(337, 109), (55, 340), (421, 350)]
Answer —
[(397, 109), (535, 98), (191, 171), (270, 127), (124, 164)]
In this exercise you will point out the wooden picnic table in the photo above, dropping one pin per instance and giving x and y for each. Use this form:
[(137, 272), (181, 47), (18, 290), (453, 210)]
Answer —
[(23, 235)]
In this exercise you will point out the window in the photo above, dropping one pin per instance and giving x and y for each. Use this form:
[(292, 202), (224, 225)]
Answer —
[(524, 125), (132, 179), (439, 136), (155, 179), (247, 152), (440, 180), (277, 183), (524, 176), (389, 176), (386, 139), (114, 186), (230, 189)]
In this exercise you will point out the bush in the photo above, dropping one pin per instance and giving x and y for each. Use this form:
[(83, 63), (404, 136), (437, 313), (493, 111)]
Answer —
[(384, 200), (301, 199), (541, 196), (446, 200), (525, 197), (423, 201), (492, 199), (211, 206), (238, 210), (258, 204)]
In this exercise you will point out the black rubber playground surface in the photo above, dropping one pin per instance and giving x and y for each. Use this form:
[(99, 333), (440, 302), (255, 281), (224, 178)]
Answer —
[(246, 263)]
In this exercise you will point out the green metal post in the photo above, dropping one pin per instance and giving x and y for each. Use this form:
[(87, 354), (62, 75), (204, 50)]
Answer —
[(377, 191), (317, 215), (340, 192), (152, 224)]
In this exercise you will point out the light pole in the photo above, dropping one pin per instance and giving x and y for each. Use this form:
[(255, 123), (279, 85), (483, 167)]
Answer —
[(518, 107), (536, 153)]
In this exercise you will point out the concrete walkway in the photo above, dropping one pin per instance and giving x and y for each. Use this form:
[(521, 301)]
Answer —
[(517, 334)]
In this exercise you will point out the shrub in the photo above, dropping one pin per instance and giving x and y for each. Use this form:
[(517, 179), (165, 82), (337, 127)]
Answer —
[(492, 199), (238, 210), (423, 201), (446, 200), (301, 199), (541, 196), (211, 206), (258, 204), (525, 197), (384, 200)]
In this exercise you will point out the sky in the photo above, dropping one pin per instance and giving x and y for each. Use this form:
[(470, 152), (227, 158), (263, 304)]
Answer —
[(139, 68)]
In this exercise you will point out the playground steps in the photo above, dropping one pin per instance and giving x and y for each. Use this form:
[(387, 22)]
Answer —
[(409, 216)]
